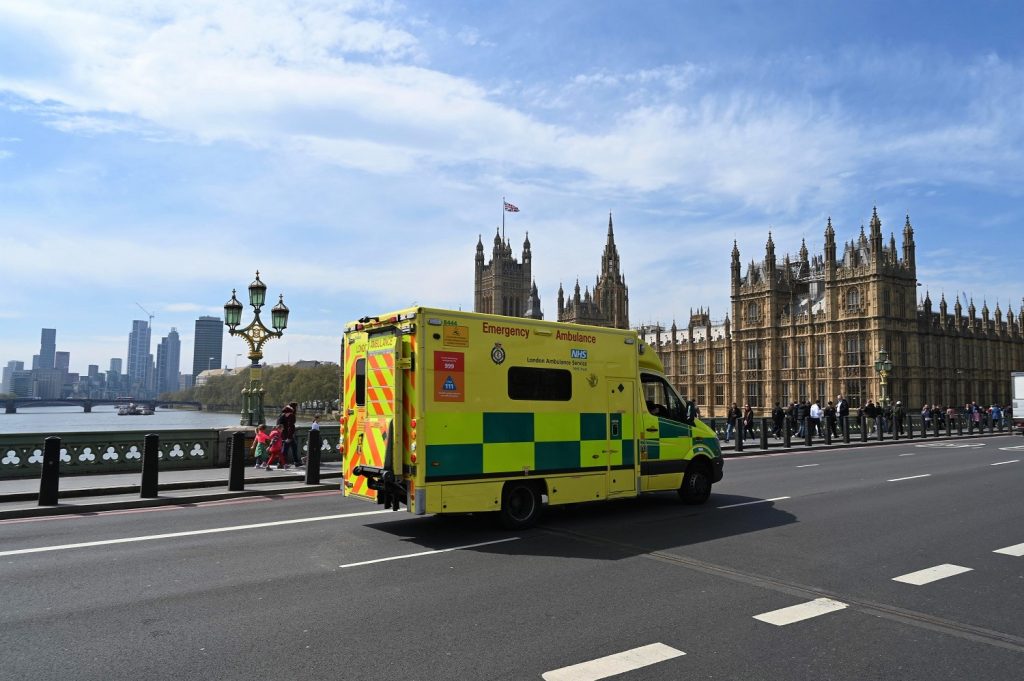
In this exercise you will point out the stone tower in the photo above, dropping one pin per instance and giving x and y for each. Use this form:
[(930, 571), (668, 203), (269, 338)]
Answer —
[(608, 305), (503, 286)]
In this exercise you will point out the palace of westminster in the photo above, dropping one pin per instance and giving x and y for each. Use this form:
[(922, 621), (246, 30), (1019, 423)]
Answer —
[(805, 328)]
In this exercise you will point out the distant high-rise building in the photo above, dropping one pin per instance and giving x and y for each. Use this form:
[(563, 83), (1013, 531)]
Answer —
[(115, 365), (47, 348), (12, 366), (22, 384), (138, 357), (168, 362), (209, 344), (62, 361)]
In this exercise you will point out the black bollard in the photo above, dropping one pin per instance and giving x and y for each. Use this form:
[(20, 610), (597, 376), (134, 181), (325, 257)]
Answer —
[(959, 425), (845, 424), (764, 433), (236, 474), (49, 481), (910, 426), (828, 430), (738, 434), (313, 458), (879, 428), (149, 487), (935, 426), (863, 428), (787, 433), (949, 427), (991, 425), (807, 431)]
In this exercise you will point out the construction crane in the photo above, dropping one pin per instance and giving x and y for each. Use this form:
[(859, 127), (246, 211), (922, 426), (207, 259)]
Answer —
[(151, 315)]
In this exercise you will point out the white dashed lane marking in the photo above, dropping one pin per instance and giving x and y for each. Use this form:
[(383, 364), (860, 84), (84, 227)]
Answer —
[(748, 503), (426, 553), (932, 574), (1017, 550), (803, 611), (1000, 463), (619, 663), (911, 477), (808, 465)]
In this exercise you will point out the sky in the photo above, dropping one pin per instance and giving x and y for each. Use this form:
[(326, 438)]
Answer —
[(156, 154)]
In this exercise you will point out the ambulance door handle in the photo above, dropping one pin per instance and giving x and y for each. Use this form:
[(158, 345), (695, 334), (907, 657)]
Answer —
[(652, 429), (597, 456)]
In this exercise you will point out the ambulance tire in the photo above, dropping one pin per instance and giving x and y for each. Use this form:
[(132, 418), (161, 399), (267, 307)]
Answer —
[(696, 487), (520, 505)]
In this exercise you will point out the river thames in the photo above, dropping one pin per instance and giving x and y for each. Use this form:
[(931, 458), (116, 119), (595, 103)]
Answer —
[(61, 420)]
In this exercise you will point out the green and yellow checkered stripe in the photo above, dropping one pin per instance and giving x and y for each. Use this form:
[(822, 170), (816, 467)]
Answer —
[(494, 444)]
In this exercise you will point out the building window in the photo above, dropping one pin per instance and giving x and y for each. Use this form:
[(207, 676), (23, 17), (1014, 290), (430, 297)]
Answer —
[(887, 303), (853, 300), (785, 354), (820, 346), (684, 363), (801, 354), (719, 361), (904, 357), (785, 394), (753, 312), (854, 393), (754, 356), (719, 395), (754, 394), (854, 351), (821, 393), (801, 389), (701, 367), (701, 394)]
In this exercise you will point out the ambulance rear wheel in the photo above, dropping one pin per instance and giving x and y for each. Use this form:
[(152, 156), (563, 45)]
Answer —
[(520, 505), (696, 487)]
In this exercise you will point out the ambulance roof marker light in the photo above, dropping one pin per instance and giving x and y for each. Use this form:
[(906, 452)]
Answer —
[(433, 321)]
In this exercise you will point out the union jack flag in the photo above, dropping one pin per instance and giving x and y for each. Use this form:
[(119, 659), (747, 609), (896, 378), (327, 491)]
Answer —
[(510, 208)]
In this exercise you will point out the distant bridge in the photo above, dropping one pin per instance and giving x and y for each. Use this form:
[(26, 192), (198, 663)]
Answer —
[(11, 406)]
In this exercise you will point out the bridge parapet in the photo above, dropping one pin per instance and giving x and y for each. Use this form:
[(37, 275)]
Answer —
[(21, 454)]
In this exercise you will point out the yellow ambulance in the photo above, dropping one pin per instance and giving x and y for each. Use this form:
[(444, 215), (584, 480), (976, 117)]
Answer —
[(458, 412)]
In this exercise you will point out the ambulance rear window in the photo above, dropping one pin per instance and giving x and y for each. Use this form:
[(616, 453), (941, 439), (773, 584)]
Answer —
[(531, 383), (360, 382)]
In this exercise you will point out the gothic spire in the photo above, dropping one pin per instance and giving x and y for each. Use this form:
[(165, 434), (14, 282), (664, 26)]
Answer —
[(803, 250)]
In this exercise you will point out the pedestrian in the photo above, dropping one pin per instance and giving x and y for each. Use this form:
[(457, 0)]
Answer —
[(976, 416), (275, 447), (803, 412), (815, 414), (259, 446), (748, 422), (286, 422), (778, 417), (731, 418), (887, 418), (829, 413), (926, 417), (842, 409), (997, 416), (872, 412), (899, 415)]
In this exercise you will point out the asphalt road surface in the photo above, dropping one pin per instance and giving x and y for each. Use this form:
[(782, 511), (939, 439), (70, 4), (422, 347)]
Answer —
[(903, 561)]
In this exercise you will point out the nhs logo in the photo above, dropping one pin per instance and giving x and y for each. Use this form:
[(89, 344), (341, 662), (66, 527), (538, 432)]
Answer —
[(578, 354)]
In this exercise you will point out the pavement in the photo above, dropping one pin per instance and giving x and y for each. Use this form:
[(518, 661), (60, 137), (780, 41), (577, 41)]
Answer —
[(101, 492)]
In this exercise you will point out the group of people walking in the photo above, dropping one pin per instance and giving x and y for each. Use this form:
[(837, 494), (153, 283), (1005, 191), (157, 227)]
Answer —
[(890, 418), (279, 445)]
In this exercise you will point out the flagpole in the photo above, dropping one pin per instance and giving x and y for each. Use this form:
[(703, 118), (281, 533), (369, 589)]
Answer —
[(503, 218)]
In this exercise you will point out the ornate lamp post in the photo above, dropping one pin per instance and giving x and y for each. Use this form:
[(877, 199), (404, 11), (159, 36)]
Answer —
[(255, 335), (883, 366)]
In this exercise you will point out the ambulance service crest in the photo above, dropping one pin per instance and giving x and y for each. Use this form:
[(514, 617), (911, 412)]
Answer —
[(497, 354)]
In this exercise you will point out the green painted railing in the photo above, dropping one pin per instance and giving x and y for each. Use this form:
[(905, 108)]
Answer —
[(21, 455)]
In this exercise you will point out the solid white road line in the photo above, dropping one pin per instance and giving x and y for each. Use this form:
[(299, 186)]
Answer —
[(909, 454), (912, 477), (808, 465), (748, 503), (611, 665), (803, 611), (932, 574), (190, 533), (1017, 550), (1000, 463), (426, 553)]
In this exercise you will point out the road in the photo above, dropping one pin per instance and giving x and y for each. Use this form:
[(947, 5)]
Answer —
[(789, 572)]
